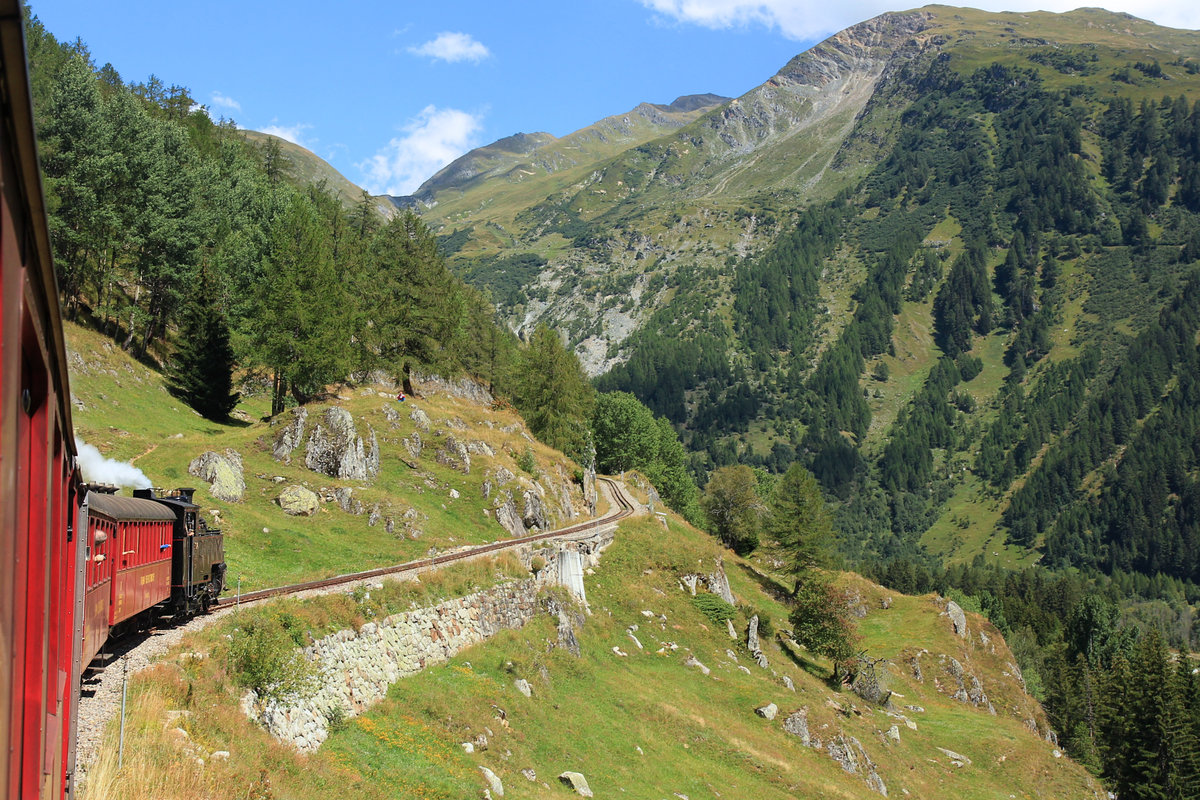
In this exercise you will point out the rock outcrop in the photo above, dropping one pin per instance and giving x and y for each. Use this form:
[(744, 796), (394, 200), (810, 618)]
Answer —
[(335, 448), (577, 782), (535, 511), (291, 436), (957, 618), (224, 472)]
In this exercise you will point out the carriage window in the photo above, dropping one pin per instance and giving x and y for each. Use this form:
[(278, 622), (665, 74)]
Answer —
[(190, 521)]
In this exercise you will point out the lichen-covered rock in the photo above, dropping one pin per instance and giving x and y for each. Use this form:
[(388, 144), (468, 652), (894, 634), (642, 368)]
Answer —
[(510, 520), (796, 723), (346, 502), (224, 472), (454, 454), (577, 782), (503, 476), (291, 436), (481, 448), (298, 501), (335, 448), (718, 584), (463, 388), (493, 781), (957, 618), (413, 444), (535, 511), (420, 419), (768, 711)]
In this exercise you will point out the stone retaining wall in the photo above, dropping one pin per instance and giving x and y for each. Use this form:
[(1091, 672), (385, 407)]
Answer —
[(355, 668)]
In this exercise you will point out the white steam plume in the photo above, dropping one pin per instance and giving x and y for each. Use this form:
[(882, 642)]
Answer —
[(98, 469)]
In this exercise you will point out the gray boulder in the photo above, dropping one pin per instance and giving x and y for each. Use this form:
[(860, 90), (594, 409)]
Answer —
[(335, 448), (224, 472), (796, 724), (510, 520), (535, 511), (577, 782), (454, 454), (718, 584), (957, 618), (412, 443), (421, 419), (291, 436), (768, 711), (493, 781), (297, 501)]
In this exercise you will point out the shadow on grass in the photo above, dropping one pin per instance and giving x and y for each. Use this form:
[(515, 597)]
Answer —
[(768, 584), (801, 659)]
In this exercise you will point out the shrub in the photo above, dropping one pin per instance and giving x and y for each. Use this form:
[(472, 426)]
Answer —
[(527, 462), (263, 655), (714, 607)]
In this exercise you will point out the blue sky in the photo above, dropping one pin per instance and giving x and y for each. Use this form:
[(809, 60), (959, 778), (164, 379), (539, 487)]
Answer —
[(389, 91)]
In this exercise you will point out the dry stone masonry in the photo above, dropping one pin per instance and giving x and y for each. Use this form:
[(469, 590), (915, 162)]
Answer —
[(355, 668)]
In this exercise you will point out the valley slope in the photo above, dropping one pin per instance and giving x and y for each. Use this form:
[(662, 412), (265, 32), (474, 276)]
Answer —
[(1011, 195)]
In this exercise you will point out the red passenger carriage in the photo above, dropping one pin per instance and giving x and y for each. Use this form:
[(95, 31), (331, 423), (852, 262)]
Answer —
[(40, 491)]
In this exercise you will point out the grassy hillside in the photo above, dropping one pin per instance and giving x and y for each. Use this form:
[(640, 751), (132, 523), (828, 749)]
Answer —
[(640, 723), (304, 167), (123, 409)]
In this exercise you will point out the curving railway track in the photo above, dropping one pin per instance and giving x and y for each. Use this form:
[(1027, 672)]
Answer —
[(102, 692), (616, 493)]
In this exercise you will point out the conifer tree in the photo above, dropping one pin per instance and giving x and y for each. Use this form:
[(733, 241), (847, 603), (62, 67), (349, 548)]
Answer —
[(799, 520), (554, 395), (201, 371)]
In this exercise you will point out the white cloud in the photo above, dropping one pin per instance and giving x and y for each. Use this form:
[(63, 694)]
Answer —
[(809, 19), (292, 133), (452, 47), (429, 142), (221, 101)]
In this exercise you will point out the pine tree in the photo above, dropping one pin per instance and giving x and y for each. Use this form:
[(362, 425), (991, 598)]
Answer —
[(201, 371)]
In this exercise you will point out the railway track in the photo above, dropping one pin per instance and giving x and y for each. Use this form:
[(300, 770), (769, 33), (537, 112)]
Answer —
[(616, 493), (102, 691)]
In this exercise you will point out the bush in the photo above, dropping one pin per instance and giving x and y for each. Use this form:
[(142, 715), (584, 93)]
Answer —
[(527, 462), (821, 619), (264, 655), (714, 607)]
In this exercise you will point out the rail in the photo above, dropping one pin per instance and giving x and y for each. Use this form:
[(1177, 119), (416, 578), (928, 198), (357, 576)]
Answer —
[(625, 508)]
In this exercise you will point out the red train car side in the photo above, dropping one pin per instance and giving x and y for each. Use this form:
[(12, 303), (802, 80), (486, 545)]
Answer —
[(40, 492), (141, 552)]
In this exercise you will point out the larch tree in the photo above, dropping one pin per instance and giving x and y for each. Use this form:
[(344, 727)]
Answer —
[(554, 395)]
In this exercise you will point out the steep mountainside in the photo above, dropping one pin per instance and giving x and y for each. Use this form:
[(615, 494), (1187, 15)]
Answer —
[(525, 157), (916, 258)]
